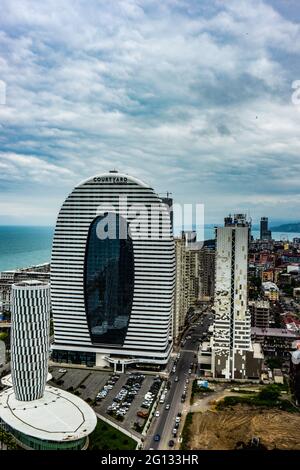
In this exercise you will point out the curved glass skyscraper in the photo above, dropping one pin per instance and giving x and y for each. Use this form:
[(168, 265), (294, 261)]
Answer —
[(112, 274)]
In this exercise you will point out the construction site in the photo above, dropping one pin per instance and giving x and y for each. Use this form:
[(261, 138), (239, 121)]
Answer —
[(237, 427)]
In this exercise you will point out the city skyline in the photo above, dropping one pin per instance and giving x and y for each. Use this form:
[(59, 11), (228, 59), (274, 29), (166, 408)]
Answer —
[(204, 110), (149, 229)]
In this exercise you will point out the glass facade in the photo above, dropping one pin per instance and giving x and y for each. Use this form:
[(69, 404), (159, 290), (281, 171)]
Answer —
[(109, 281), (74, 357), (41, 444)]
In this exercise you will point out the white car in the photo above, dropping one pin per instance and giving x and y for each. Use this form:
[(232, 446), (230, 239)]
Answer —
[(157, 413), (62, 370)]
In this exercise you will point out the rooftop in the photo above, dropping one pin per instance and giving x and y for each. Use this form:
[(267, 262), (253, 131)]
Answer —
[(30, 283), (57, 416), (276, 332), (7, 379), (269, 286)]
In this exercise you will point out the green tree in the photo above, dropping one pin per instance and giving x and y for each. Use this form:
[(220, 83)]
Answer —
[(3, 336), (269, 392)]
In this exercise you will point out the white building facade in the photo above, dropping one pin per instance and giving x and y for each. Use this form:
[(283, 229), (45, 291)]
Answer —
[(180, 299), (232, 328), (30, 346), (112, 297), (37, 415)]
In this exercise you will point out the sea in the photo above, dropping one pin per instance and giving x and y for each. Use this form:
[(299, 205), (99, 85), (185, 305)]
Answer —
[(23, 246)]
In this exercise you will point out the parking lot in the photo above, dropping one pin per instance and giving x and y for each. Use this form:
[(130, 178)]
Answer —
[(88, 384), (138, 398), (85, 383)]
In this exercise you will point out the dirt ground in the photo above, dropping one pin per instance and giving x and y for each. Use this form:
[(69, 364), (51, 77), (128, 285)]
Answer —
[(223, 429)]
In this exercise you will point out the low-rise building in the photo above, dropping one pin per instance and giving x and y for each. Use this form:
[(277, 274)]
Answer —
[(274, 341), (270, 291), (296, 293), (260, 313), (205, 357), (39, 272), (278, 376), (268, 275)]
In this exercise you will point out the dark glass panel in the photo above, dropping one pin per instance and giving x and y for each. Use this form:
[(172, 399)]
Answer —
[(109, 283)]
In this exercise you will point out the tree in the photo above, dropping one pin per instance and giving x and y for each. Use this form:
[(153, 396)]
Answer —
[(3, 336), (269, 392)]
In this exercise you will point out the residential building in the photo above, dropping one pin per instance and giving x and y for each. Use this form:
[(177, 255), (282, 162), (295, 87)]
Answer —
[(192, 275), (232, 339), (265, 233), (180, 297), (260, 313), (206, 273), (270, 291), (40, 272), (275, 341)]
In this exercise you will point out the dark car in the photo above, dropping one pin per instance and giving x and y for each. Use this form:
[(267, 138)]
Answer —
[(171, 443), (157, 437)]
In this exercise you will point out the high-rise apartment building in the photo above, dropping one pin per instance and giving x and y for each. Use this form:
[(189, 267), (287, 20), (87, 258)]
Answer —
[(187, 251), (192, 276), (265, 233), (232, 328), (206, 273), (180, 298), (112, 293)]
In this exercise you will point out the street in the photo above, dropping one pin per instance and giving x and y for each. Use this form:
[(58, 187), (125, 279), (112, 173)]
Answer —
[(164, 424)]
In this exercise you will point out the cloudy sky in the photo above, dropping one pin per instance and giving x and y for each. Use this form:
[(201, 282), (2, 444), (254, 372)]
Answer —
[(192, 96)]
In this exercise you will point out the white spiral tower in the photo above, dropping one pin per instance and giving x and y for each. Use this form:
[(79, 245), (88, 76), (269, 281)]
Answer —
[(30, 339)]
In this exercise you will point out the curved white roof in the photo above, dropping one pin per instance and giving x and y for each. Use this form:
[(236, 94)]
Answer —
[(115, 174), (57, 416), (7, 380)]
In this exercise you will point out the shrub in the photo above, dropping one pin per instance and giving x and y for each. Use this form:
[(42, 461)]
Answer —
[(270, 392)]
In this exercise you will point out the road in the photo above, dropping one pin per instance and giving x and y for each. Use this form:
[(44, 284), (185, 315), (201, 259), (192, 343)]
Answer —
[(164, 424)]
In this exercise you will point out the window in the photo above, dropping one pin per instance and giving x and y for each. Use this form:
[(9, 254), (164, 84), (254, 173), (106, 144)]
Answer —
[(109, 283)]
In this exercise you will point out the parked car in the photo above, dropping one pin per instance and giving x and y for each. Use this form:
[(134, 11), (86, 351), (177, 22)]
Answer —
[(168, 406), (157, 413), (171, 443)]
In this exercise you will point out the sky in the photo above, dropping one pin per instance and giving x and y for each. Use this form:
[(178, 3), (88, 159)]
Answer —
[(192, 96)]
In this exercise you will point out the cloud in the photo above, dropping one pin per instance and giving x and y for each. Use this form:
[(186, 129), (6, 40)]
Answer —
[(194, 97)]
